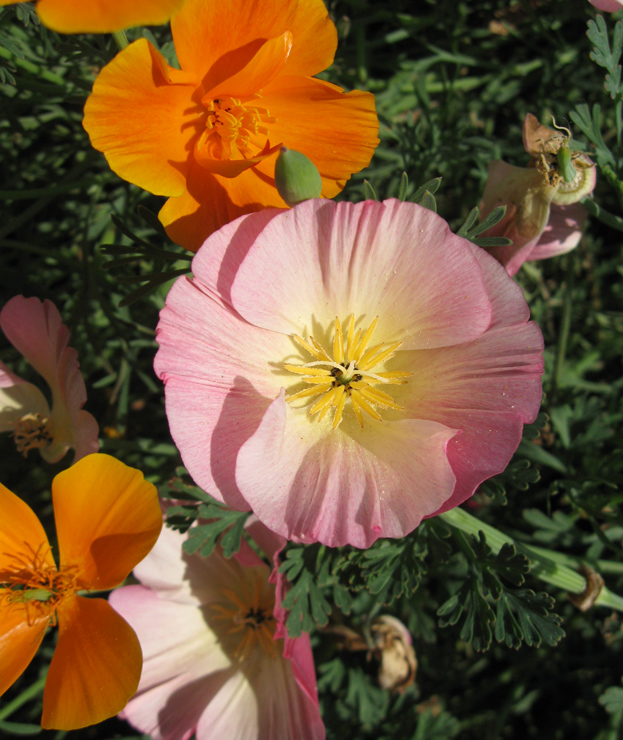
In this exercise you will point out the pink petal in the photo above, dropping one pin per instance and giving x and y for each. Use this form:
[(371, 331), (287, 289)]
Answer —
[(607, 6), (263, 701), (488, 389), (218, 380), (369, 258), (183, 663), (562, 233), (36, 330), (350, 487)]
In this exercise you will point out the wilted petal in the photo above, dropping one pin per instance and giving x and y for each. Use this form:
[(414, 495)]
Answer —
[(562, 233)]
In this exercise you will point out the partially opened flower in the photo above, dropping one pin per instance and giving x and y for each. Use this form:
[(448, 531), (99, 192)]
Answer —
[(208, 135), (537, 196), (107, 519), (346, 370), (101, 16), (216, 661), (35, 329)]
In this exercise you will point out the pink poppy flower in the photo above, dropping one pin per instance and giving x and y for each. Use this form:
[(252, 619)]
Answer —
[(607, 6), (345, 370), (216, 659), (35, 329)]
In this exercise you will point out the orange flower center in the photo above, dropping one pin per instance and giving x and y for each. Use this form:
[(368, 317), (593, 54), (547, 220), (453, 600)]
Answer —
[(31, 581), (32, 432), (234, 129), (350, 374), (249, 618)]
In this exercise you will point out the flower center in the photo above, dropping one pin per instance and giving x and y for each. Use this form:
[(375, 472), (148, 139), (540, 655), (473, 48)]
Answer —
[(249, 618), (31, 581), (348, 375), (32, 432), (234, 129)]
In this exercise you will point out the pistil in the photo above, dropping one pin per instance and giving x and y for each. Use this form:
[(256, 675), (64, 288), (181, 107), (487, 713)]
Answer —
[(347, 376)]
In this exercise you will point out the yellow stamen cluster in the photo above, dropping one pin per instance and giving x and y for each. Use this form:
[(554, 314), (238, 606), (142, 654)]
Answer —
[(231, 127), (250, 619), (32, 432), (348, 375)]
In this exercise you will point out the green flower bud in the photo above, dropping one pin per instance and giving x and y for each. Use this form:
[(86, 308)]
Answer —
[(296, 177)]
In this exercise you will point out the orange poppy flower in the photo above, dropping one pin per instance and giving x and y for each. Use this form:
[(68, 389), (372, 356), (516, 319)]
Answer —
[(103, 16), (208, 135), (107, 519)]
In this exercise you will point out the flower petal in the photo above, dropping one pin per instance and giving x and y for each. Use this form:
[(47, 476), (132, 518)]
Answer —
[(338, 131), (488, 388), (107, 519), (95, 668), (144, 116), (346, 486), (21, 634), (35, 329), (21, 533), (105, 16), (212, 201), (368, 259), (260, 70), (175, 637), (206, 33), (17, 398), (562, 233)]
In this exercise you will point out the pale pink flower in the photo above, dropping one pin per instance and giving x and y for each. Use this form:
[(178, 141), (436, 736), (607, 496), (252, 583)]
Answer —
[(262, 352), (216, 660), (36, 330), (607, 6)]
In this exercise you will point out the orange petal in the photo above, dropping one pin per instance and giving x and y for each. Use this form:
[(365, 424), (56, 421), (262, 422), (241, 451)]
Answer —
[(233, 167), (104, 16), (315, 39), (258, 71), (142, 116), (205, 31), (96, 666), (107, 519), (21, 633), (21, 533), (338, 131), (212, 201)]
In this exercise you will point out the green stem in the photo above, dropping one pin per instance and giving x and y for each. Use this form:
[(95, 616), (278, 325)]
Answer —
[(548, 565), (120, 39), (616, 222), (26, 695)]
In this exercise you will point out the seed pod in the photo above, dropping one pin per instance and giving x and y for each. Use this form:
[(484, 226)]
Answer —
[(296, 177), (565, 166)]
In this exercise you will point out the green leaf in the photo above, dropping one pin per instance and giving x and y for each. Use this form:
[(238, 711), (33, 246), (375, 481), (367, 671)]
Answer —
[(612, 699), (526, 616), (204, 538), (305, 599), (436, 726), (392, 570), (428, 201), (430, 187), (404, 186), (368, 191)]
